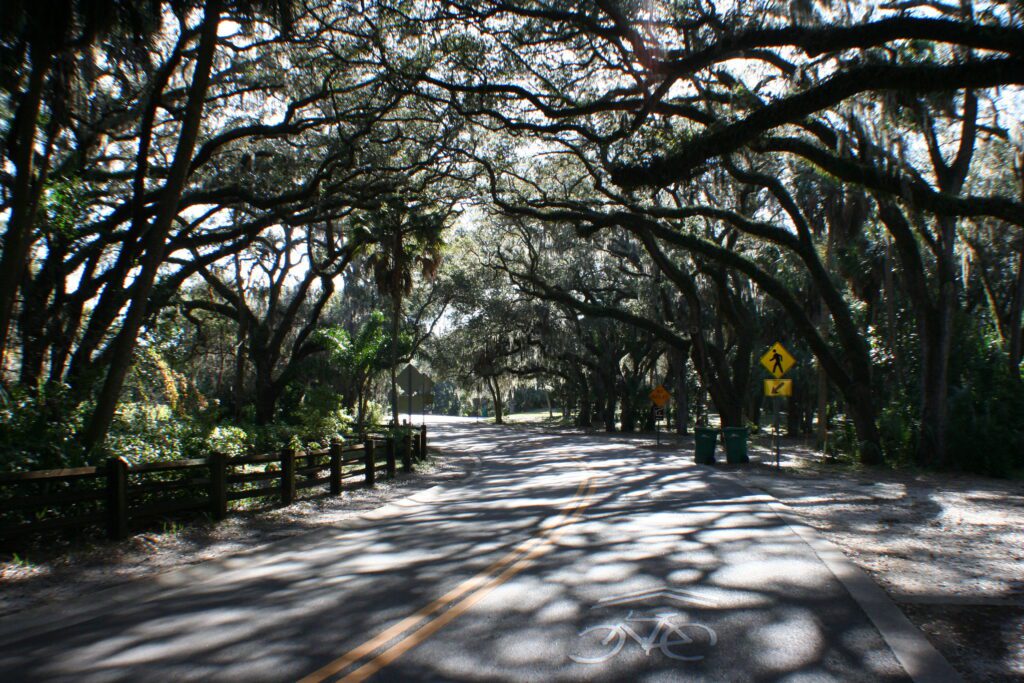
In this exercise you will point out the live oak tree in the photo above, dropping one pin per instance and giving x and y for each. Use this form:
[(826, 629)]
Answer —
[(668, 186)]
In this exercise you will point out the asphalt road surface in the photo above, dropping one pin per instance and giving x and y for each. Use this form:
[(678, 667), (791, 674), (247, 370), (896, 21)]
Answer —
[(558, 558)]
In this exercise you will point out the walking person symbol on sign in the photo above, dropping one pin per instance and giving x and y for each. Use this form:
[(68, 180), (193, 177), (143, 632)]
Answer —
[(777, 360)]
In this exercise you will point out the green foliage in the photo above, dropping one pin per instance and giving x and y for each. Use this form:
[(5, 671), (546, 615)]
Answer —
[(365, 353), (272, 437), (898, 426), (318, 428), (986, 409), (65, 205), (399, 432), (38, 428), (376, 414), (144, 433), (228, 439), (446, 399), (21, 561)]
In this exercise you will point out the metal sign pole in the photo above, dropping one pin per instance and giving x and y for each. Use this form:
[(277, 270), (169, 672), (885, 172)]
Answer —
[(775, 403), (657, 427)]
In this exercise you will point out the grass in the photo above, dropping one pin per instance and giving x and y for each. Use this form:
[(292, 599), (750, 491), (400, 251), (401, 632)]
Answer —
[(22, 562)]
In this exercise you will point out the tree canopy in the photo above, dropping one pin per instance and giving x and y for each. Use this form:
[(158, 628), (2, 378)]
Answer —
[(589, 198)]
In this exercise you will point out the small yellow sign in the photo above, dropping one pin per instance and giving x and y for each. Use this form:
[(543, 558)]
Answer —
[(778, 387), (777, 360), (660, 396)]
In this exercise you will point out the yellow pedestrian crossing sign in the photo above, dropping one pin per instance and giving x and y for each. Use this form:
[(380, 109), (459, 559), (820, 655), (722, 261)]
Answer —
[(778, 387), (777, 361), (659, 396)]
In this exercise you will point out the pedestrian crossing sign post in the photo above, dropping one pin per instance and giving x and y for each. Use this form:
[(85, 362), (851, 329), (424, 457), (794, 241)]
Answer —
[(777, 361), (659, 397)]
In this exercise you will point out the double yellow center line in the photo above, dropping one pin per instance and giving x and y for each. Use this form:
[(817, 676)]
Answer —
[(427, 621)]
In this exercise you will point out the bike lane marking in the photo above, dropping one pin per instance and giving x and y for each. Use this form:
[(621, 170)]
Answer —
[(464, 596)]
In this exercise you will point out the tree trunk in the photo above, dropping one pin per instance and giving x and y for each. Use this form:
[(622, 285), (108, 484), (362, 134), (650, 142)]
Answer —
[(24, 195), (266, 399), (861, 407), (608, 410), (495, 388), (628, 411), (584, 416), (794, 411), (156, 240), (682, 393), (937, 343), (1015, 322), (396, 313)]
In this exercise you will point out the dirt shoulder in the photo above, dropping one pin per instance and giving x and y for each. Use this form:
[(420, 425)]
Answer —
[(47, 574)]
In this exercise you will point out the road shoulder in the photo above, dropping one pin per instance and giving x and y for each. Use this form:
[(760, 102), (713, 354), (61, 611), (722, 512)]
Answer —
[(70, 589)]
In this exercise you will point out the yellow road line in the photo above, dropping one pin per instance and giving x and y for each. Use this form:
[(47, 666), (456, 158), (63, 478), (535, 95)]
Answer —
[(475, 583), (442, 620)]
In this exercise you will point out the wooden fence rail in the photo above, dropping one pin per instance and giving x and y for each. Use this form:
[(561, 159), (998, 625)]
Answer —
[(122, 497)]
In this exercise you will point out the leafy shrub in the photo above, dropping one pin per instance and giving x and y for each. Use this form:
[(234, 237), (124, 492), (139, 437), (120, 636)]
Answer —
[(273, 437), (38, 429), (376, 414), (228, 439), (143, 433), (986, 406), (898, 426), (986, 425), (319, 428)]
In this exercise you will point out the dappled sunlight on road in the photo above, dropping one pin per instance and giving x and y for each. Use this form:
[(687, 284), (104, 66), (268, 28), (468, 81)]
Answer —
[(591, 522)]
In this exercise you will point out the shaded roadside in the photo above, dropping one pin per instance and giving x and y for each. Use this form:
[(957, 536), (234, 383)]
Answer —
[(47, 575), (947, 548)]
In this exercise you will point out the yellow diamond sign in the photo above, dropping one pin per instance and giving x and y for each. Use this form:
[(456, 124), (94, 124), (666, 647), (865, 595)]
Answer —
[(660, 396), (778, 387), (777, 360)]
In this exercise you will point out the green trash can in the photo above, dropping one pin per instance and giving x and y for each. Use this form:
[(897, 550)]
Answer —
[(705, 438), (736, 445)]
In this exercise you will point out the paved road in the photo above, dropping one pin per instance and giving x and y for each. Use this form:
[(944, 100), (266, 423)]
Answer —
[(559, 558)]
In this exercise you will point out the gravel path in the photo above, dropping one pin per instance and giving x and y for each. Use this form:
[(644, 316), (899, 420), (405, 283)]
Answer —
[(50, 573)]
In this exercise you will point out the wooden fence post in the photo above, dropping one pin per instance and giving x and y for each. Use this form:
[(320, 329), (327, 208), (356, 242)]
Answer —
[(336, 457), (406, 453), (368, 459), (423, 442), (117, 497), (218, 485), (288, 476), (389, 445), (389, 453)]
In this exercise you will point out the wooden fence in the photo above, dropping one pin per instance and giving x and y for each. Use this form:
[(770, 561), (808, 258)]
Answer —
[(124, 498)]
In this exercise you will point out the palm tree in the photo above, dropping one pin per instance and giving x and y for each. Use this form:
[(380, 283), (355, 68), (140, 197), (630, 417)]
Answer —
[(403, 237)]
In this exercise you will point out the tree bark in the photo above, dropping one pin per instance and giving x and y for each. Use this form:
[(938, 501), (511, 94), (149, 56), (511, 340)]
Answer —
[(155, 240), (495, 388), (24, 194)]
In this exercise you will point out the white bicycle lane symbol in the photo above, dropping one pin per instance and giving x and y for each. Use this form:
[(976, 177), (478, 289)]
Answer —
[(675, 638)]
